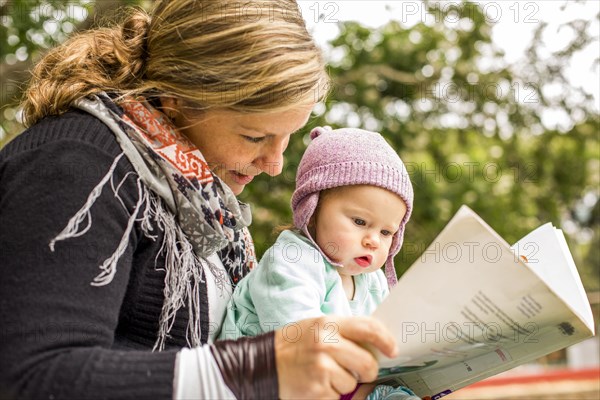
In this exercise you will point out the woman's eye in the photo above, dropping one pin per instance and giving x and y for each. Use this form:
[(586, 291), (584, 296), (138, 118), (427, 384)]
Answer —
[(252, 139), (360, 222)]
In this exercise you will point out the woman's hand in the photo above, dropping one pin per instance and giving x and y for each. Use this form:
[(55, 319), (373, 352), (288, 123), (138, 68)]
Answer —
[(364, 391), (324, 357)]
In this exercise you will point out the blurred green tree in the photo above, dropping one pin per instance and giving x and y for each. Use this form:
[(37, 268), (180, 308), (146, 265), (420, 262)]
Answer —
[(470, 128), (27, 29)]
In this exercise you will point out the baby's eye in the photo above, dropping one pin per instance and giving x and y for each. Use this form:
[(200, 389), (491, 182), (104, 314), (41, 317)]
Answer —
[(386, 232), (252, 139), (358, 221)]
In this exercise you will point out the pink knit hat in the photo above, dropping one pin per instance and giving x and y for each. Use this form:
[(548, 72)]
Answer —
[(345, 157)]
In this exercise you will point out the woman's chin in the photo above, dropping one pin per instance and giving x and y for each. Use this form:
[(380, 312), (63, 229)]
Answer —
[(236, 188)]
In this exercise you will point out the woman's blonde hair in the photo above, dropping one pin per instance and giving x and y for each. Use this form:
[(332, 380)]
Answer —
[(245, 56)]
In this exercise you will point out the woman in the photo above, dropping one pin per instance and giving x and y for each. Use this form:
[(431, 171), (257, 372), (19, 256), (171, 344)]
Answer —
[(122, 237)]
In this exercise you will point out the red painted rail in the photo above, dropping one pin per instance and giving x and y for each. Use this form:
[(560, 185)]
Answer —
[(546, 376)]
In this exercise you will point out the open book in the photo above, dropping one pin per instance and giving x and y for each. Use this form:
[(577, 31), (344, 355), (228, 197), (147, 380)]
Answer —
[(473, 306)]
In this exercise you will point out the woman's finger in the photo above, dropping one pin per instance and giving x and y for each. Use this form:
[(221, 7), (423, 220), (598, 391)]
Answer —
[(319, 360), (348, 354), (355, 359), (342, 380), (368, 331)]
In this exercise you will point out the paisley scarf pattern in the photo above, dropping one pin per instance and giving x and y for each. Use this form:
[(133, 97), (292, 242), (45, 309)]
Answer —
[(207, 210), (198, 212)]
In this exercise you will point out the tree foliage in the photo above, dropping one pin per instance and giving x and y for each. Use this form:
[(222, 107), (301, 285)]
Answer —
[(471, 128)]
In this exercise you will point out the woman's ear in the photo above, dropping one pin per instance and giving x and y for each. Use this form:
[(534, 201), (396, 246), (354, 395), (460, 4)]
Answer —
[(170, 107)]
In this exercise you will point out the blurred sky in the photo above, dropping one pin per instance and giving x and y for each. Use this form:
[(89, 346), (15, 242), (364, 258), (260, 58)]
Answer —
[(513, 26)]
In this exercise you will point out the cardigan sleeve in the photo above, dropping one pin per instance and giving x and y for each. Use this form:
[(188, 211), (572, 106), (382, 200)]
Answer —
[(57, 329)]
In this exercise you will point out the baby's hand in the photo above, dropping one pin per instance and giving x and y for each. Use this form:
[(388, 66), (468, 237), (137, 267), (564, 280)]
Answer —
[(385, 392)]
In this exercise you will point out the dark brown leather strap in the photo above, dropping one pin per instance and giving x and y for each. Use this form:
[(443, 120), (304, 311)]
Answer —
[(248, 366)]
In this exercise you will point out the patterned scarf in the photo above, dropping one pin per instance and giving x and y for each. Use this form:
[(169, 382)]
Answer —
[(204, 216)]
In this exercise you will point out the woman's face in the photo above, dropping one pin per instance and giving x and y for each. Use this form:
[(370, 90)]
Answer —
[(238, 147)]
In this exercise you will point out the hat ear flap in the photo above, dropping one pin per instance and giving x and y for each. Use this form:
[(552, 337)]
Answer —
[(304, 210)]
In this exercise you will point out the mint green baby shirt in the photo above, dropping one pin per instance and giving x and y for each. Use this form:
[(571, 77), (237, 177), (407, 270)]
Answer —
[(292, 282)]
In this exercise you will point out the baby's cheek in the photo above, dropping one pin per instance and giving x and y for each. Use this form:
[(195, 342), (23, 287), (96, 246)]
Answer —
[(388, 247), (332, 248), (383, 255)]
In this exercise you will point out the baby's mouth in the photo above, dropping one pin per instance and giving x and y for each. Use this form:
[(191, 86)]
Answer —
[(364, 261)]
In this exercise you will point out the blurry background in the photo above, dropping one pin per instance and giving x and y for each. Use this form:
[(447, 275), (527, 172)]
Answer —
[(490, 104)]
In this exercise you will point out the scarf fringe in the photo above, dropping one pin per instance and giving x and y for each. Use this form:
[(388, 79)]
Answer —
[(167, 195), (184, 270), (72, 228), (182, 275), (109, 266)]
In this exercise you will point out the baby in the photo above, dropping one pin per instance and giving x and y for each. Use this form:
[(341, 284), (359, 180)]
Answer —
[(352, 200)]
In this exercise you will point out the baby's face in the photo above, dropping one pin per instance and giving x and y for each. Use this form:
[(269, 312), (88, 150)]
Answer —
[(355, 226)]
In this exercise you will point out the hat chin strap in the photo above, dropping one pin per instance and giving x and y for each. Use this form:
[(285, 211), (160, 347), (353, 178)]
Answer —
[(390, 272), (306, 233), (303, 212), (390, 269)]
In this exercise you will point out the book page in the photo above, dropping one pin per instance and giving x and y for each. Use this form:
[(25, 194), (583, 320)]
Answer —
[(438, 382), (466, 298), (546, 252)]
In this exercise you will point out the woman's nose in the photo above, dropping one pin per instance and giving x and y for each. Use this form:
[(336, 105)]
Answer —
[(271, 161)]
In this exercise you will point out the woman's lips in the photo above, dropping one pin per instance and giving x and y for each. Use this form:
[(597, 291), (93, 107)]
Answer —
[(241, 179), (363, 261)]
